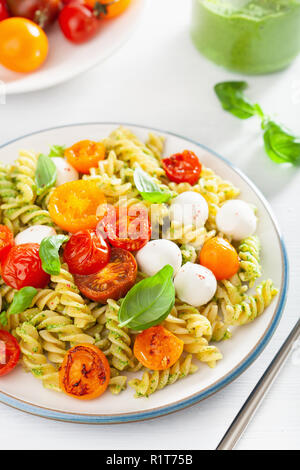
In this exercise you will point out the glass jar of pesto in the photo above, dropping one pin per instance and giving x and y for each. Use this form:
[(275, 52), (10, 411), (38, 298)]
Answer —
[(249, 36)]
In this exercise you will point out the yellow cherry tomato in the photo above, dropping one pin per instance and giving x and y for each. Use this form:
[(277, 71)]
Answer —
[(23, 45), (114, 8), (220, 257)]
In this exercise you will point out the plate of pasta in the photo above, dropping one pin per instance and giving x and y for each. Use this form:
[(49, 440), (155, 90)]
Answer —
[(140, 273)]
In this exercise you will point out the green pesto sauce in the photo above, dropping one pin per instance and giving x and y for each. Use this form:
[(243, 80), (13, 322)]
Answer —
[(257, 36)]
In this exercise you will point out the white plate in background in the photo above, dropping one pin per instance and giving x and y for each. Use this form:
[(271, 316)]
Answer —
[(66, 60)]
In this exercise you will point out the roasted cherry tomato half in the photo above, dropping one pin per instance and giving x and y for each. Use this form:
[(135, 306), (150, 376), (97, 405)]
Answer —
[(78, 22), (6, 240), (157, 348), (86, 252), (85, 155), (23, 45), (183, 167), (73, 206), (9, 352), (220, 257), (3, 10), (85, 372), (42, 12), (113, 281), (23, 267), (109, 8), (127, 228)]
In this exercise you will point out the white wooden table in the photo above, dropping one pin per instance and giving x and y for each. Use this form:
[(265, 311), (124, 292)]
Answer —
[(159, 79)]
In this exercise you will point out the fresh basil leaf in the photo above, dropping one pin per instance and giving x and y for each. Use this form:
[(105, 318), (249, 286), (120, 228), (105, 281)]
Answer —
[(280, 144), (45, 175), (3, 319), (49, 253), (149, 302), (149, 190), (234, 101), (57, 151), (21, 301)]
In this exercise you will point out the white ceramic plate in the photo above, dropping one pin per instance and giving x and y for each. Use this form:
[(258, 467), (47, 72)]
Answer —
[(24, 392), (67, 60)]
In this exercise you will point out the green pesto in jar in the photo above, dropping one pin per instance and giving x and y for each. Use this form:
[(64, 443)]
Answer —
[(252, 37)]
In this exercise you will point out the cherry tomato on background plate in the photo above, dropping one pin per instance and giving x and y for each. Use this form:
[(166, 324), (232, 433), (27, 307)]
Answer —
[(3, 10), (23, 267), (220, 257), (85, 155), (157, 348), (23, 45), (127, 228), (9, 354), (42, 12), (85, 372), (111, 282), (86, 252), (6, 240), (109, 8), (183, 167), (73, 206), (78, 22)]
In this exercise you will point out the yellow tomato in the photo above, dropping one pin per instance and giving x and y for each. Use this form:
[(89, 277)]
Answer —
[(114, 8), (23, 45)]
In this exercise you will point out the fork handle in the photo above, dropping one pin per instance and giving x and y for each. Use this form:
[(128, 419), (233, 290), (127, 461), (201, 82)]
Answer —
[(252, 403)]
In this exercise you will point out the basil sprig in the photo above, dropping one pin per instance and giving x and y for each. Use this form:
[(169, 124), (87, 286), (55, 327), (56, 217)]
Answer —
[(149, 190), (57, 151), (280, 144), (45, 175), (21, 301), (233, 100), (149, 302), (49, 253)]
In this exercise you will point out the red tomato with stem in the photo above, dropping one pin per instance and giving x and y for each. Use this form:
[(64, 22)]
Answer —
[(42, 12), (23, 267), (183, 167), (86, 252), (3, 10), (127, 228), (78, 22), (9, 352), (6, 240)]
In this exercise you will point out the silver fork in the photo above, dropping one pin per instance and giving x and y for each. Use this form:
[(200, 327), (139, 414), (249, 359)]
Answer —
[(252, 403)]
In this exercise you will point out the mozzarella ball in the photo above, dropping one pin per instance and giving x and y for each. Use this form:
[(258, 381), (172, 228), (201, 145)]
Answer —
[(156, 254), (34, 234), (65, 172), (189, 208), (236, 219), (195, 284)]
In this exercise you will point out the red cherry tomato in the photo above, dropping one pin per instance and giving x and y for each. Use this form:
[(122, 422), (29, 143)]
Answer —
[(6, 240), (42, 12), (9, 352), (183, 167), (129, 229), (3, 10), (220, 257), (23, 267), (78, 22), (111, 282), (86, 252)]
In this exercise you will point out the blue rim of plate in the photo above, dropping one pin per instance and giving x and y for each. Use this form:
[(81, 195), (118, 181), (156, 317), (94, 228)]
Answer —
[(230, 377)]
